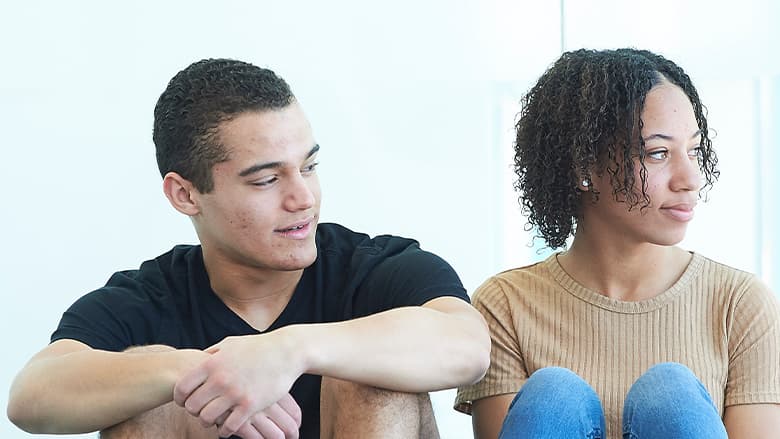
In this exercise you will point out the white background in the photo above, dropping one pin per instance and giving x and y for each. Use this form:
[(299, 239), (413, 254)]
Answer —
[(413, 104)]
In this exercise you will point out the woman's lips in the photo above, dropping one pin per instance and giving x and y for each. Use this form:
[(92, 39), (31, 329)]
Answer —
[(679, 212)]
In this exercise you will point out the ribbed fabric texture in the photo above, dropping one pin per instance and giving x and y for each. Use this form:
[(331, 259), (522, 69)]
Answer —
[(722, 323)]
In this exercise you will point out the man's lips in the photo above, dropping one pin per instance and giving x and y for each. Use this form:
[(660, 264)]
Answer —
[(296, 227)]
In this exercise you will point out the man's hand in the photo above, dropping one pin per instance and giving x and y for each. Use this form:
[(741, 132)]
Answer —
[(283, 417), (245, 382)]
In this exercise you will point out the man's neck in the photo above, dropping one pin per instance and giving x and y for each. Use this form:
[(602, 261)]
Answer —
[(257, 295)]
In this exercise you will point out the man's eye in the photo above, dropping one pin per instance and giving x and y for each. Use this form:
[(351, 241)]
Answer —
[(310, 168), (265, 181)]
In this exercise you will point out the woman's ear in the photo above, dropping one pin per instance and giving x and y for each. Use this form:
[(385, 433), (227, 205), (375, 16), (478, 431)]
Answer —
[(584, 182), (181, 193)]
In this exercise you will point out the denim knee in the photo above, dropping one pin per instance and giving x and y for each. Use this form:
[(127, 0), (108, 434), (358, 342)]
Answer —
[(557, 383), (670, 384), (554, 403), (669, 401)]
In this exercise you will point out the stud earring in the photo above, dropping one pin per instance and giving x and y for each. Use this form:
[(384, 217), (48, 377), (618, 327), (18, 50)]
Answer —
[(585, 183)]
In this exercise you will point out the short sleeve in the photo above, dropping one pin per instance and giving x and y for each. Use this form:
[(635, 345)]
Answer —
[(754, 347), (113, 318), (409, 278), (507, 371)]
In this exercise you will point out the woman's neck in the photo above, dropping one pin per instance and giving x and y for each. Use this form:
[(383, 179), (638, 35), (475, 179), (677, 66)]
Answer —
[(622, 271)]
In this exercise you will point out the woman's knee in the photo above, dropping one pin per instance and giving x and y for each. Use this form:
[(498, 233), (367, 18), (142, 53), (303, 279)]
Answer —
[(668, 384), (554, 402), (556, 383), (669, 401)]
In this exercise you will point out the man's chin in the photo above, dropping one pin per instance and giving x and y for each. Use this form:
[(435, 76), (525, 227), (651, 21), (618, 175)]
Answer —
[(298, 263)]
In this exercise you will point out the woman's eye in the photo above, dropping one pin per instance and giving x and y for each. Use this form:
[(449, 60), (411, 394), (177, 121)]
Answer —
[(659, 154), (696, 152)]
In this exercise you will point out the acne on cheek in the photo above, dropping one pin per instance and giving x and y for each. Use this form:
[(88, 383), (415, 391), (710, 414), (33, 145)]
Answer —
[(242, 220)]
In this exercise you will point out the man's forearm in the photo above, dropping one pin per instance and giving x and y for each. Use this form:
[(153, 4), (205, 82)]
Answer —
[(88, 390), (411, 349), (439, 345)]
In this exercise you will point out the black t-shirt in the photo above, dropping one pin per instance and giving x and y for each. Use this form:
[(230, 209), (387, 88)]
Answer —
[(169, 300)]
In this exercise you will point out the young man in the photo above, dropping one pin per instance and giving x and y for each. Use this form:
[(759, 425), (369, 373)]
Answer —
[(233, 336)]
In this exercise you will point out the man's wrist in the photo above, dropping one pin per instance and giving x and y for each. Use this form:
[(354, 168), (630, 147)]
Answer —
[(298, 347), (181, 361)]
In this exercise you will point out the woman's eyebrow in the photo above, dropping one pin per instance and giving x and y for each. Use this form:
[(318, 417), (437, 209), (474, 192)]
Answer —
[(668, 137)]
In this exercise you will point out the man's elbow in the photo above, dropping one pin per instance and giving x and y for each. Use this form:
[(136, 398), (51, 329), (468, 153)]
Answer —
[(475, 351), (25, 408), (481, 357), (21, 415), (465, 340)]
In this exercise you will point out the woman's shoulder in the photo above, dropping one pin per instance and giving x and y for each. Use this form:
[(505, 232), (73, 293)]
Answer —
[(727, 278), (721, 272), (513, 280)]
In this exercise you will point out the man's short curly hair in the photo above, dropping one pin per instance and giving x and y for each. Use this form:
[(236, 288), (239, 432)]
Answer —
[(196, 101), (583, 116)]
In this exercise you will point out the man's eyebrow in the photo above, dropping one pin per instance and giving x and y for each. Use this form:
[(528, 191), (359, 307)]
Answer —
[(273, 165), (668, 137)]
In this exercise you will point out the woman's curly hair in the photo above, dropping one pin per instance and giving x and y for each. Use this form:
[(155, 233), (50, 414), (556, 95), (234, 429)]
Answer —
[(583, 115)]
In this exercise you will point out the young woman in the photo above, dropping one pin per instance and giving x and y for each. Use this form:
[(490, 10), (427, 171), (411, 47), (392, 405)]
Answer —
[(623, 334)]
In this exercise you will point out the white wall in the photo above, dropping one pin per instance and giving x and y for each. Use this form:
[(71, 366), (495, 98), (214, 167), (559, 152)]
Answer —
[(410, 101)]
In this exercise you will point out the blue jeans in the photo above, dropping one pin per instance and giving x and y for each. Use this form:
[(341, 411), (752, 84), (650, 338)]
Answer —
[(667, 401)]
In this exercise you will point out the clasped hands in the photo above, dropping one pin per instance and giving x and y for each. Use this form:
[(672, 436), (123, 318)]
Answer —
[(242, 388)]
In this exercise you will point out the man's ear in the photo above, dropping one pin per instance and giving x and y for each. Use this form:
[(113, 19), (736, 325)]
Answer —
[(181, 193)]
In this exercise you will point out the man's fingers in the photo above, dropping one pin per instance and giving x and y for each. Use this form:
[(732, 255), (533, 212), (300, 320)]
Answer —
[(283, 420), (268, 428), (198, 400), (234, 421), (215, 412), (289, 405), (188, 383), (248, 431), (221, 419)]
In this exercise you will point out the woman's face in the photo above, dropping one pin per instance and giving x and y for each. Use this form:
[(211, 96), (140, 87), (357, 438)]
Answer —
[(672, 146)]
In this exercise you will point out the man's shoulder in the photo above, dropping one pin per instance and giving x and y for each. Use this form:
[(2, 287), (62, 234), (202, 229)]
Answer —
[(381, 272), (335, 238), (145, 305), (162, 272)]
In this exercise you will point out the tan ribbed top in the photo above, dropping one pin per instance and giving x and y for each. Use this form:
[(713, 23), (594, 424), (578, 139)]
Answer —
[(723, 323)]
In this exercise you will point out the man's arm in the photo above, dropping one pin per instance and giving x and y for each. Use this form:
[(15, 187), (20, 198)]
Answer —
[(753, 421), (441, 344), (69, 387)]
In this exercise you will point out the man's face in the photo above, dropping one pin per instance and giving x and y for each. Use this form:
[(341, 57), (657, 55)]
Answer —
[(263, 210)]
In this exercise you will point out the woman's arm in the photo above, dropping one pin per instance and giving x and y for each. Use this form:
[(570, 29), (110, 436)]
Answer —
[(752, 421), (487, 415)]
